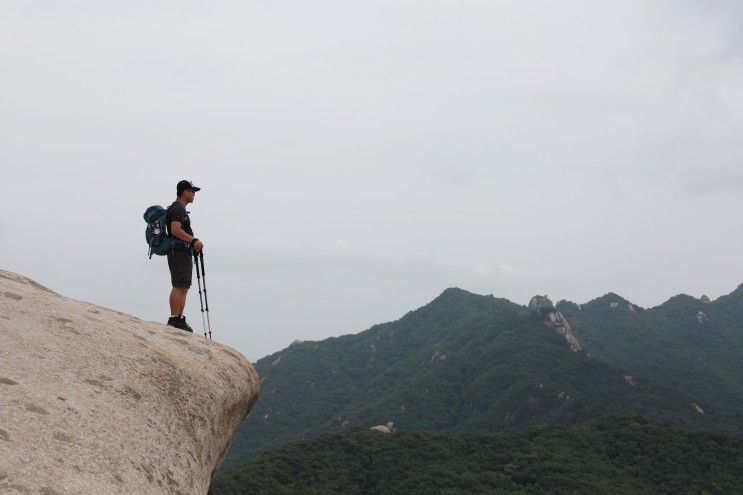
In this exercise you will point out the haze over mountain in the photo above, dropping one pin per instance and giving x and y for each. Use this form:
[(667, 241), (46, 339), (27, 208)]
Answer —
[(466, 362)]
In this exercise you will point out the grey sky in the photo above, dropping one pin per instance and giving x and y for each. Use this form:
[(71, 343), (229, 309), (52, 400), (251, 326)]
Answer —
[(357, 158)]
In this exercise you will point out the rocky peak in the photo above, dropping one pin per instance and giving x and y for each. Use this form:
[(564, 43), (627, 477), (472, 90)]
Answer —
[(542, 305)]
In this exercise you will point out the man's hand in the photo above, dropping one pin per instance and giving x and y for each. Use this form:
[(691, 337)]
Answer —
[(198, 246)]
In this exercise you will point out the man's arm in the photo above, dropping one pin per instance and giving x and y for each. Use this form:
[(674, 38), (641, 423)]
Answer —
[(177, 232)]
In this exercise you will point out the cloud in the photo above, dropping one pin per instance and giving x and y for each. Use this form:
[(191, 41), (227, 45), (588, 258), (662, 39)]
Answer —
[(358, 158), (717, 180)]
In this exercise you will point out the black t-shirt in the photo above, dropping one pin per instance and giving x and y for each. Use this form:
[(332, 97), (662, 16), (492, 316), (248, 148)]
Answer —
[(177, 213)]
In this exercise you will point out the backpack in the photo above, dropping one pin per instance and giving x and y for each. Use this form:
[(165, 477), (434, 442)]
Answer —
[(156, 233)]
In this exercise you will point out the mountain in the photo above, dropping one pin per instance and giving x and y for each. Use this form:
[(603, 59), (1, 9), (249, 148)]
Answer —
[(614, 455), (462, 362), (690, 344)]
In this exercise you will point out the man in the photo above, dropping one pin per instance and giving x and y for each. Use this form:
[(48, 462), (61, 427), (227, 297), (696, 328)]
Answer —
[(180, 258)]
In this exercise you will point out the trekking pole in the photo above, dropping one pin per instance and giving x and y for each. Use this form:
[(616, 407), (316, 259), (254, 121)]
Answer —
[(206, 300), (198, 277)]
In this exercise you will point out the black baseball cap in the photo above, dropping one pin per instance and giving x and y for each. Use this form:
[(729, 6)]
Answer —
[(186, 184)]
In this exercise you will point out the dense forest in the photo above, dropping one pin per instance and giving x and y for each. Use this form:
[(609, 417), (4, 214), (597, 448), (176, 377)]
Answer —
[(612, 456)]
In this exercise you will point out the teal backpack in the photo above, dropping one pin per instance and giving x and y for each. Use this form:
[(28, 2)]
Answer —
[(156, 234)]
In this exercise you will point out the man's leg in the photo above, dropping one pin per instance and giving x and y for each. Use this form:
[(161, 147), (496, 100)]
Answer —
[(178, 300), (182, 300), (181, 268)]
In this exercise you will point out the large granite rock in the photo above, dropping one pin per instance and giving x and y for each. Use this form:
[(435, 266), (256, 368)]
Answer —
[(543, 306), (98, 402)]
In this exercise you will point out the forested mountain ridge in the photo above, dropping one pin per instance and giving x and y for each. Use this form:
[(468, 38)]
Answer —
[(694, 345), (462, 362)]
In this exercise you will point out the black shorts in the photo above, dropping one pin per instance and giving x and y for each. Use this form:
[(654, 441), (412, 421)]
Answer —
[(181, 268)]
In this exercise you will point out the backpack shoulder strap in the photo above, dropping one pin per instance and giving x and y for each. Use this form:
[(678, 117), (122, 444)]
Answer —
[(167, 222)]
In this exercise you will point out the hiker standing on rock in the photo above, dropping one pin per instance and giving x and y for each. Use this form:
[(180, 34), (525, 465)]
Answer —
[(180, 258)]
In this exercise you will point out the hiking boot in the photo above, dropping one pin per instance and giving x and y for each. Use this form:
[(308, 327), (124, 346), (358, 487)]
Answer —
[(183, 325), (173, 321)]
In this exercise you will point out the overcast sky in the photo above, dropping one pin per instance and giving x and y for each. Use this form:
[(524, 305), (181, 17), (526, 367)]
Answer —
[(357, 158)]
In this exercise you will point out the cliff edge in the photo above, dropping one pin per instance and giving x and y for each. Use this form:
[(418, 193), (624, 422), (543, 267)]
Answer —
[(97, 401)]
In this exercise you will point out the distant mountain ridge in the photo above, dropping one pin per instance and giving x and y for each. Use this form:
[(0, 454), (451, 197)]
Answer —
[(692, 344), (468, 361)]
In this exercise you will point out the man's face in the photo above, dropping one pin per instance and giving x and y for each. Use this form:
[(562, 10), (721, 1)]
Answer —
[(190, 195)]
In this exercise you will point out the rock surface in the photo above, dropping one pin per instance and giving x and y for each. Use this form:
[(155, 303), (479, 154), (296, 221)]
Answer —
[(93, 401), (555, 320), (702, 318), (560, 324)]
